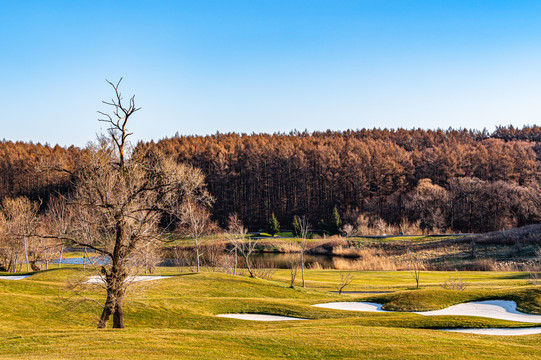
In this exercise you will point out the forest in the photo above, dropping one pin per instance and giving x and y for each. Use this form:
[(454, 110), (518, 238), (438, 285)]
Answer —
[(443, 180)]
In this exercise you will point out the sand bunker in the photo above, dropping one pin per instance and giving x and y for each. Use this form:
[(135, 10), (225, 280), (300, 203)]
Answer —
[(499, 332), (352, 306), (259, 317), (99, 280), (14, 277), (494, 309)]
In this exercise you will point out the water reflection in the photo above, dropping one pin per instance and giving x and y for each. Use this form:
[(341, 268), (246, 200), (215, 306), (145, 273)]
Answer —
[(276, 260), (92, 260)]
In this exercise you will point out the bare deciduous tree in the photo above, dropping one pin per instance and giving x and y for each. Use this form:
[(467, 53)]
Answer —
[(345, 280), (303, 227), (237, 235), (195, 221), (349, 230), (57, 222), (119, 199), (416, 265), (247, 249), (293, 265), (455, 283), (19, 217)]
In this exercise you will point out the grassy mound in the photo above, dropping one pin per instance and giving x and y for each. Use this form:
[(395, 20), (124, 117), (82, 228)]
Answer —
[(175, 318)]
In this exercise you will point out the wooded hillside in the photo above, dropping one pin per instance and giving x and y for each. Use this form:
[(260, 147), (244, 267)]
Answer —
[(477, 181), (462, 180)]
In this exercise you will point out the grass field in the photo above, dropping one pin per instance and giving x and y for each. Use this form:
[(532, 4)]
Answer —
[(174, 318)]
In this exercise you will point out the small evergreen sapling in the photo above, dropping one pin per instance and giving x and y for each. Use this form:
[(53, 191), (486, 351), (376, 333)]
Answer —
[(296, 226), (335, 222), (273, 226)]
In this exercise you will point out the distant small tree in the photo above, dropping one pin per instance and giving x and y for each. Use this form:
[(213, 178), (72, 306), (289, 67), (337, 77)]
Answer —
[(247, 248), (237, 234), (195, 222), (293, 263), (349, 230), (20, 219), (345, 280), (335, 223), (273, 226), (416, 265), (296, 226), (303, 233)]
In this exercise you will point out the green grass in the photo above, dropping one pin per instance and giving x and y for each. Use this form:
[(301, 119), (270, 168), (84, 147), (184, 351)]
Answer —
[(327, 280), (174, 318)]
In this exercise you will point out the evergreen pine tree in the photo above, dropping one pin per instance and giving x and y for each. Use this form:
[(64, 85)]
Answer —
[(296, 226), (335, 222), (273, 226)]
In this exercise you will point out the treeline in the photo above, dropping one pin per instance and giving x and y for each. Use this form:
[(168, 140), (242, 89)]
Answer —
[(477, 181), (34, 170), (462, 180)]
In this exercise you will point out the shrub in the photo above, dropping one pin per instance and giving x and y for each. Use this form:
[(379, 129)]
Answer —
[(454, 283)]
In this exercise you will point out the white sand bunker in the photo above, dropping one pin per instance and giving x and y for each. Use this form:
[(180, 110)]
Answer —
[(494, 309), (260, 317), (99, 280), (352, 306), (499, 332), (14, 277)]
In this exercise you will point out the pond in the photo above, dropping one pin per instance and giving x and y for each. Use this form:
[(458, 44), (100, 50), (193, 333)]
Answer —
[(91, 260), (276, 260)]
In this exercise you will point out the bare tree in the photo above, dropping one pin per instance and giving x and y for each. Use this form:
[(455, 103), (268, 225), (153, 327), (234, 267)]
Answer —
[(19, 216), (303, 227), (57, 222), (416, 266), (119, 199), (294, 263), (454, 283), (345, 280), (237, 234), (247, 248), (349, 230), (44, 249), (534, 268), (195, 222)]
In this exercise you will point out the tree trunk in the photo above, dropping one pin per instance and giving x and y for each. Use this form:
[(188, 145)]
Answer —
[(26, 253), (197, 253), (247, 262), (61, 253), (146, 259), (107, 311), (118, 315), (115, 296), (302, 267), (235, 268)]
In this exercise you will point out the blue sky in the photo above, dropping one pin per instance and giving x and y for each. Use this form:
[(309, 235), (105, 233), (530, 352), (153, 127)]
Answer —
[(198, 67)]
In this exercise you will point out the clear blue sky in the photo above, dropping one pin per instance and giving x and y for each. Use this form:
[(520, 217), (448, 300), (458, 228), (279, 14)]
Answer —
[(198, 67)]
